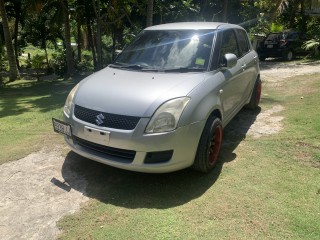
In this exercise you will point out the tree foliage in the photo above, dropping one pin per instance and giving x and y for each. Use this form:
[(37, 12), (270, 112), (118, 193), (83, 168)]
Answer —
[(102, 27)]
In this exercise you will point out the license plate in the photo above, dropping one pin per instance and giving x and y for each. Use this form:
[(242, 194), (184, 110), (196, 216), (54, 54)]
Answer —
[(61, 127), (96, 135), (269, 46)]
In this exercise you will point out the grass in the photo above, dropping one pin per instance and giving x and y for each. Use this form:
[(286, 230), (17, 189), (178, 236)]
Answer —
[(26, 109), (265, 188)]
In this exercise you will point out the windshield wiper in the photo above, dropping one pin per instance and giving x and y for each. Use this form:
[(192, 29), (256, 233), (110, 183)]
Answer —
[(184, 69), (121, 65), (132, 66)]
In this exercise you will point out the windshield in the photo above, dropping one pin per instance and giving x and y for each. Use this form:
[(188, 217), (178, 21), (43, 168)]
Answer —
[(168, 50)]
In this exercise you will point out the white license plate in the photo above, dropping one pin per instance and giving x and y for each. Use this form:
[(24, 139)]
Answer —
[(96, 135), (61, 127), (269, 46)]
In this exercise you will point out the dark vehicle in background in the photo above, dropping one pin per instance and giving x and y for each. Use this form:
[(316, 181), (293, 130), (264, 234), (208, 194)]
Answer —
[(286, 45)]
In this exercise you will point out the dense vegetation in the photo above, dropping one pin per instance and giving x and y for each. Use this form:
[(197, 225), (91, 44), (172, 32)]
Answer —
[(69, 36)]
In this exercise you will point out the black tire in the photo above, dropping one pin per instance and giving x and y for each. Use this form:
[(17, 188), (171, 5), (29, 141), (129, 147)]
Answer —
[(289, 55), (256, 95), (209, 146)]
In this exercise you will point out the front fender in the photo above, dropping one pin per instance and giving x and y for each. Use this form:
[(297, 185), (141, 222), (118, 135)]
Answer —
[(205, 99)]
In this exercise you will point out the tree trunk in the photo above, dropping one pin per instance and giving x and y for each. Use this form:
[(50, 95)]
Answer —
[(89, 34), (46, 56), (304, 18), (293, 13), (79, 40), (17, 7), (67, 38), (85, 39), (13, 69), (203, 7), (96, 9), (225, 11), (150, 13), (91, 45)]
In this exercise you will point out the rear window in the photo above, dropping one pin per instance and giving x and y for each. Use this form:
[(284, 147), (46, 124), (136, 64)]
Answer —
[(243, 42), (274, 37)]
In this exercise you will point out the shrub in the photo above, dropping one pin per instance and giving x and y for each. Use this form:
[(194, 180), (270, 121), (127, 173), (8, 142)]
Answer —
[(312, 44), (58, 62), (37, 63)]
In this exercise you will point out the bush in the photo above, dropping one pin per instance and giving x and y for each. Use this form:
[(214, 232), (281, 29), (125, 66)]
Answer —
[(312, 44), (86, 65), (37, 63), (58, 62)]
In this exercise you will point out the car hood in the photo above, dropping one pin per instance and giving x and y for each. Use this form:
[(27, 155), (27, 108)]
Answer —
[(133, 93)]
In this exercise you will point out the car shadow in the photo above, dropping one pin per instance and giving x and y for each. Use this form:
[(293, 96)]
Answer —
[(141, 190), (235, 132)]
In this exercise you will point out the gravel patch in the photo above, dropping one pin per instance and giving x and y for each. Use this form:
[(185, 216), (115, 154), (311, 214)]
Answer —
[(33, 196)]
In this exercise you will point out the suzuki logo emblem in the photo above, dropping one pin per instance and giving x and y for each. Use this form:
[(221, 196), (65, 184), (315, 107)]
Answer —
[(99, 119)]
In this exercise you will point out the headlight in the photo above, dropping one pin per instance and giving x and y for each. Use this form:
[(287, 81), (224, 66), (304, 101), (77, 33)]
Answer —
[(67, 105), (166, 118)]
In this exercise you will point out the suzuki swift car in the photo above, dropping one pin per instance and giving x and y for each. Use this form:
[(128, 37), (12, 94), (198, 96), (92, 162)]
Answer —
[(162, 104)]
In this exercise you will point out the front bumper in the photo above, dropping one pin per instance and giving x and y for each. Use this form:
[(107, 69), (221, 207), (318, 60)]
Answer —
[(135, 150)]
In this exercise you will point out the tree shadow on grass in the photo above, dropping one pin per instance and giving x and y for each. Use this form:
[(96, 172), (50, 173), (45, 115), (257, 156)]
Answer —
[(27, 96), (140, 190)]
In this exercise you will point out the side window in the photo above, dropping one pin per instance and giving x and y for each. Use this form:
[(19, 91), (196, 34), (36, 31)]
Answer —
[(228, 44), (243, 40)]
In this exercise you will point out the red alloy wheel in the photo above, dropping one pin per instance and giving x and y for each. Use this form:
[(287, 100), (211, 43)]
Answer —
[(214, 145)]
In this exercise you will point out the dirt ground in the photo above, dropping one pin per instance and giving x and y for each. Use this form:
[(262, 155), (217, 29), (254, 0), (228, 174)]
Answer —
[(34, 195)]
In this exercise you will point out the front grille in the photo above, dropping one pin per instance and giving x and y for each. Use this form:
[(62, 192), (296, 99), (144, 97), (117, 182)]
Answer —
[(125, 156), (105, 119)]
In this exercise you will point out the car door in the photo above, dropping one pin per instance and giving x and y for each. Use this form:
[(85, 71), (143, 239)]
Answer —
[(249, 61), (229, 92)]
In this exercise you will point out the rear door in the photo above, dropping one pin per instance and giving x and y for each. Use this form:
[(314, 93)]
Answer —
[(249, 64)]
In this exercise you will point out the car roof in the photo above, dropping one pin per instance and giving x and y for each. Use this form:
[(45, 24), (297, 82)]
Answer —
[(193, 26), (284, 31)]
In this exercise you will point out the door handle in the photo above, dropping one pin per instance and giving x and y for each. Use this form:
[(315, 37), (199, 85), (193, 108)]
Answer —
[(244, 67)]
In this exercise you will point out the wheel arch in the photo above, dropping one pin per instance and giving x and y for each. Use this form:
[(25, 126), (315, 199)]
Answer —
[(202, 109), (252, 89)]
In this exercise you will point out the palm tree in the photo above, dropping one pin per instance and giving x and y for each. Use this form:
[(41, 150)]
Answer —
[(13, 69), (280, 6)]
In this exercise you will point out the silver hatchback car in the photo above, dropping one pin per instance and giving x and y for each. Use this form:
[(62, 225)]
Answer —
[(162, 104)]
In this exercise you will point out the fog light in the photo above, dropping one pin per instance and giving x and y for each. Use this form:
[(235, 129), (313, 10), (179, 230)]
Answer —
[(158, 157)]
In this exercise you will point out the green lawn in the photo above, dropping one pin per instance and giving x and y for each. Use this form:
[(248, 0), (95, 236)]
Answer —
[(265, 188), (26, 109)]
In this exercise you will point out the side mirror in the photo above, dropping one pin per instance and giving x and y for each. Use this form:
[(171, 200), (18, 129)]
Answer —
[(229, 61)]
